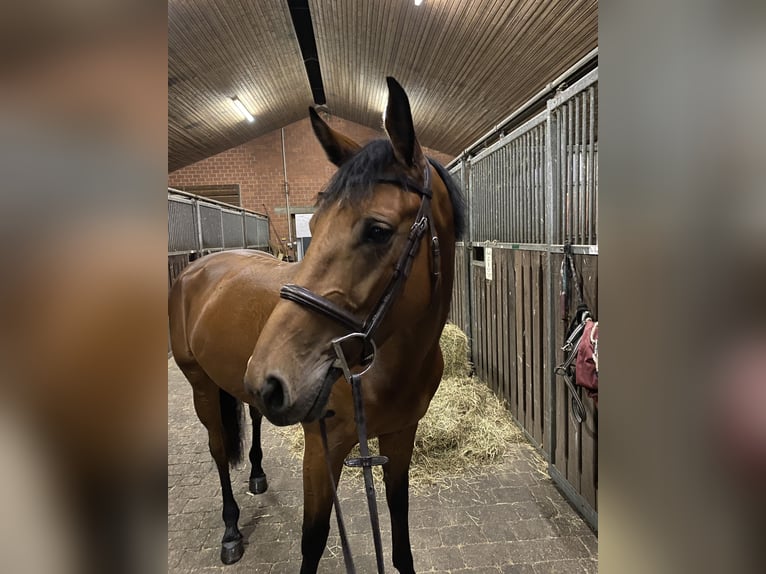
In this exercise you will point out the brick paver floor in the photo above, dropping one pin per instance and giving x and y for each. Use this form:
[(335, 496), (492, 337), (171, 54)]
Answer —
[(510, 519)]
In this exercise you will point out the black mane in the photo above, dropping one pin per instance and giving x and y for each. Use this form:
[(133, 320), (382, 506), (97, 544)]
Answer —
[(459, 209), (355, 180)]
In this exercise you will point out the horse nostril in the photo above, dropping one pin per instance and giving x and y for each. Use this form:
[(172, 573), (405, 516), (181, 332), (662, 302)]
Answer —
[(273, 394)]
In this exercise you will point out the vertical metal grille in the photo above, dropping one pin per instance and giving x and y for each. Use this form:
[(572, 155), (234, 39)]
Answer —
[(576, 118), (530, 191), (212, 231), (199, 224), (182, 225), (263, 233), (507, 182), (507, 186), (233, 231), (256, 231), (251, 231)]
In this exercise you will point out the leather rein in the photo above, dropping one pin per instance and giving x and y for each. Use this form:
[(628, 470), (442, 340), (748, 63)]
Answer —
[(365, 331)]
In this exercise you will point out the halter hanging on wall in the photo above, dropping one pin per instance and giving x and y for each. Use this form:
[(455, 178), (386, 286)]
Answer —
[(574, 332)]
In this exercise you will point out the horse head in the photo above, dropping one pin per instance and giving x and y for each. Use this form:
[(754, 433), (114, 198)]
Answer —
[(383, 194)]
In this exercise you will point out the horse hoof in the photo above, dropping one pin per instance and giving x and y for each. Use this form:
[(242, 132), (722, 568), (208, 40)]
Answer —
[(258, 485), (232, 551)]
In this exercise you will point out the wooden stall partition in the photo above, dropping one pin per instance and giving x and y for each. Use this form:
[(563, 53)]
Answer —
[(532, 189), (459, 309), (509, 334), (574, 460)]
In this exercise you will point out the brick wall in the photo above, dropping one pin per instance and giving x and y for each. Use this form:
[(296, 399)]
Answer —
[(257, 167)]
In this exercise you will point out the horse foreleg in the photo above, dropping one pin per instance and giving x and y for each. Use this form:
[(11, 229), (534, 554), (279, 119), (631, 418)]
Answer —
[(398, 448), (317, 495), (257, 483)]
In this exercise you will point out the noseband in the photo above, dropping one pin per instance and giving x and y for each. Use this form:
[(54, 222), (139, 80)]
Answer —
[(423, 220), (365, 331)]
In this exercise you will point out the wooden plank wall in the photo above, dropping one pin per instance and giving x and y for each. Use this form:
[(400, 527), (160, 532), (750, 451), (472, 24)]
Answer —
[(509, 335), (459, 312), (515, 317), (575, 450), (510, 350)]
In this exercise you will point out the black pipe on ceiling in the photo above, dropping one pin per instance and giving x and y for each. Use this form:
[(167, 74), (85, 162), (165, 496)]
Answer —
[(304, 31)]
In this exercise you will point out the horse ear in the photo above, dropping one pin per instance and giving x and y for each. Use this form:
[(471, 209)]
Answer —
[(398, 122), (338, 147)]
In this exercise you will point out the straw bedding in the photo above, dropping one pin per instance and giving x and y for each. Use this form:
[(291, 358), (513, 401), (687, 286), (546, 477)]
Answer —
[(466, 427)]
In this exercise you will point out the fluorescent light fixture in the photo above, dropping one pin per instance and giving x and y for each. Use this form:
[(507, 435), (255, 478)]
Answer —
[(242, 109), (418, 2)]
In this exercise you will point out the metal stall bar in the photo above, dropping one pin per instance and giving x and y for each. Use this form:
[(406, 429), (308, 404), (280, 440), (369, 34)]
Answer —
[(571, 446), (591, 170), (182, 225), (200, 225), (578, 193), (583, 165), (538, 97), (529, 192), (512, 155), (232, 229), (552, 184)]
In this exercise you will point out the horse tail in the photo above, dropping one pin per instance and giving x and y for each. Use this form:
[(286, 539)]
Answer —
[(231, 421)]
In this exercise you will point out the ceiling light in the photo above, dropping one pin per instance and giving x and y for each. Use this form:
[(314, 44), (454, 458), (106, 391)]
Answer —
[(418, 2), (242, 109)]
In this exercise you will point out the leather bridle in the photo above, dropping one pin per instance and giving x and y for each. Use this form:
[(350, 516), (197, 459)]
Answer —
[(423, 220), (365, 332)]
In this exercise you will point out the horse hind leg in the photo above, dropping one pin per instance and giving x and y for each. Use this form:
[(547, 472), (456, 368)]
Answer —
[(257, 483), (221, 414)]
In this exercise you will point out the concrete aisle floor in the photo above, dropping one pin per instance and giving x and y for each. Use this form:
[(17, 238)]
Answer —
[(510, 519)]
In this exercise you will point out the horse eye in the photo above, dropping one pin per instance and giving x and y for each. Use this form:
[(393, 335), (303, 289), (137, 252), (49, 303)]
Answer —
[(377, 234)]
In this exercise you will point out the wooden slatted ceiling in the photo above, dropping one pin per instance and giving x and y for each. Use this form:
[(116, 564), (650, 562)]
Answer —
[(223, 48), (465, 64)]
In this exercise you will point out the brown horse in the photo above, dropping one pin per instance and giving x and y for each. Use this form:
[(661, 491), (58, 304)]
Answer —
[(226, 305)]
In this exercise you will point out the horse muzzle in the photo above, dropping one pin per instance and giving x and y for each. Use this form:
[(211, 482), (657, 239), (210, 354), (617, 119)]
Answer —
[(284, 402)]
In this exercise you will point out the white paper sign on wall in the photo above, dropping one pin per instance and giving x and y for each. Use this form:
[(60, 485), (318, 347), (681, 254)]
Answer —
[(488, 263), (302, 224)]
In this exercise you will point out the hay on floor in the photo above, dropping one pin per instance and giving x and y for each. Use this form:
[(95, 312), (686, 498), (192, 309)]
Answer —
[(454, 345), (466, 427)]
